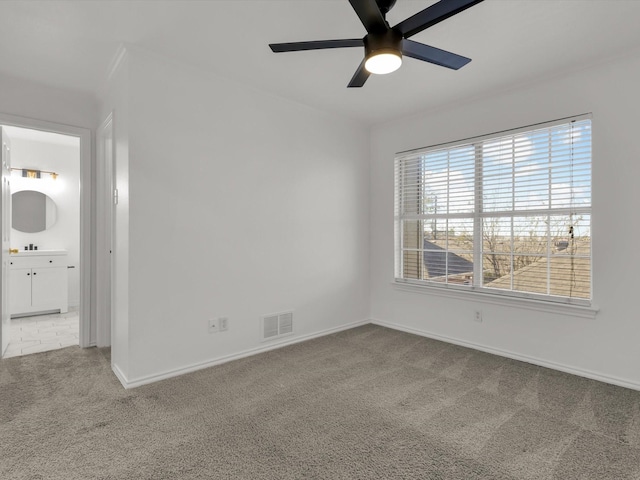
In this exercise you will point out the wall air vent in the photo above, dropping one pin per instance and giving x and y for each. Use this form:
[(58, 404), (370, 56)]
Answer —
[(276, 325)]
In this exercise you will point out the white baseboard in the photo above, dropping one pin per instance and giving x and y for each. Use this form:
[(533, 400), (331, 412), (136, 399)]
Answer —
[(137, 382), (123, 379), (126, 383), (515, 356)]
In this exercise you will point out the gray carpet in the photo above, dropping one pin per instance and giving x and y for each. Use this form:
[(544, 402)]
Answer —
[(367, 403)]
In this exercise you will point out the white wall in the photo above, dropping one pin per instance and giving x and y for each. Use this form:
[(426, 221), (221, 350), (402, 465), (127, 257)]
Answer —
[(64, 191), (606, 346), (37, 101), (240, 204)]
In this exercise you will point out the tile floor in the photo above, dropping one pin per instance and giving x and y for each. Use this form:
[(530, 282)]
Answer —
[(42, 333)]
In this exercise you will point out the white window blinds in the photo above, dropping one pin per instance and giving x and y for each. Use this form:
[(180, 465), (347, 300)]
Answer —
[(507, 213)]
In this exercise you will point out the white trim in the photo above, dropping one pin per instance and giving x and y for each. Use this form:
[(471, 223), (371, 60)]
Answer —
[(583, 311), (116, 62), (515, 356), (104, 206), (126, 383), (491, 214), (500, 134), (137, 382), (121, 376), (87, 325), (415, 162)]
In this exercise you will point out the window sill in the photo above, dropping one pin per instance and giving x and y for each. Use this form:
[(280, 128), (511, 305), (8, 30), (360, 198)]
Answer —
[(497, 299)]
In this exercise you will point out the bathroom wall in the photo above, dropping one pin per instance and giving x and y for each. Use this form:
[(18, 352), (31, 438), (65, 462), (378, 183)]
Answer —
[(64, 159)]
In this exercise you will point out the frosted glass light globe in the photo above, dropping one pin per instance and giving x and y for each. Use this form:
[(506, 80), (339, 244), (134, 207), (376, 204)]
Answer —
[(383, 63)]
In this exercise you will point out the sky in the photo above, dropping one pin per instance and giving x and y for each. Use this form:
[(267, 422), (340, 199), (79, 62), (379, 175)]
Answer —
[(532, 175)]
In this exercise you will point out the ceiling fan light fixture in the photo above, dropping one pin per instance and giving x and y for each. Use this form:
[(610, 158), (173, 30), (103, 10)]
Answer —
[(384, 61), (385, 45)]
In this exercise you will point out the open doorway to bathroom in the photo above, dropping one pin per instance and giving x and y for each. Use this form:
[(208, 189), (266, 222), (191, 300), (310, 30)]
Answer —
[(43, 280)]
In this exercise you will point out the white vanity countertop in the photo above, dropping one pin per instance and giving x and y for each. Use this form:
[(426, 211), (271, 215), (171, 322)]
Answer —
[(31, 253)]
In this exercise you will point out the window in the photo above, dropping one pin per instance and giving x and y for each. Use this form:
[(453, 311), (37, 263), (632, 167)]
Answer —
[(508, 214)]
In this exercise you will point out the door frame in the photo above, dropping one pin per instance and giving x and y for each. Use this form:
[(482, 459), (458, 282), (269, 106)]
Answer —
[(5, 208), (86, 311), (105, 184)]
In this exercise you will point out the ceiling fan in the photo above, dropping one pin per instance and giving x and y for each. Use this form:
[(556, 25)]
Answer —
[(383, 45)]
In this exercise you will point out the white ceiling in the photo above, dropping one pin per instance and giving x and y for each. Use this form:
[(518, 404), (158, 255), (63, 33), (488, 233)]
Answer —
[(71, 44)]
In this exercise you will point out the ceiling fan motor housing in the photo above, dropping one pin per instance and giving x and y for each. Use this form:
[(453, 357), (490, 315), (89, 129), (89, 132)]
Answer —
[(387, 42), (385, 5)]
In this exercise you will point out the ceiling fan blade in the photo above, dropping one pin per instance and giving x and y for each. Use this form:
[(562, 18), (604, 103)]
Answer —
[(315, 45), (426, 53), (431, 15), (370, 15), (359, 77)]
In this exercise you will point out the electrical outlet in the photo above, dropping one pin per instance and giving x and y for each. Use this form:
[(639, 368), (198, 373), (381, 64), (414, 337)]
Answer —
[(223, 324), (478, 316), (213, 325)]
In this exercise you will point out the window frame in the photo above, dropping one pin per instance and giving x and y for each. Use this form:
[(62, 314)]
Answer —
[(582, 307)]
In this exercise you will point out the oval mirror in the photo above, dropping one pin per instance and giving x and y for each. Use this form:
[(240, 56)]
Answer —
[(32, 211)]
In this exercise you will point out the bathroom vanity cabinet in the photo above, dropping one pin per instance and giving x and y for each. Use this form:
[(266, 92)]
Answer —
[(38, 282)]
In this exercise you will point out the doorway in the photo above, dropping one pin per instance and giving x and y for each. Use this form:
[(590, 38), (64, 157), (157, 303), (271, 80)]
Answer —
[(44, 286), (48, 289)]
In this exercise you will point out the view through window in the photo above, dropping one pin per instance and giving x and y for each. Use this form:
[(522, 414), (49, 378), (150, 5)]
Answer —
[(508, 213)]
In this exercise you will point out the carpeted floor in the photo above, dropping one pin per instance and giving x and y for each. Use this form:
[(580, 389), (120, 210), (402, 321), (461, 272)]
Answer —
[(367, 403)]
